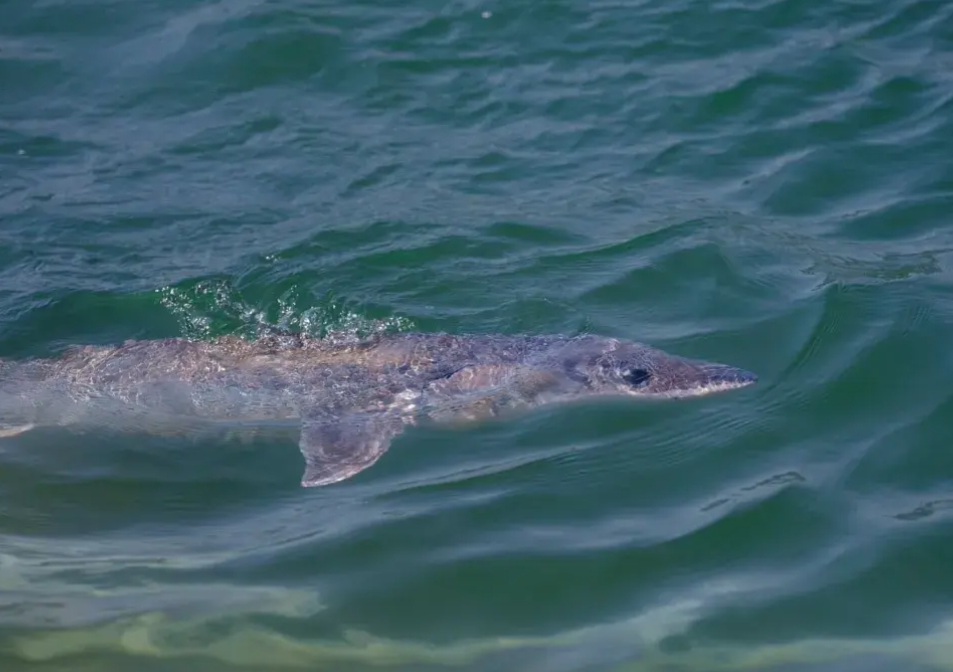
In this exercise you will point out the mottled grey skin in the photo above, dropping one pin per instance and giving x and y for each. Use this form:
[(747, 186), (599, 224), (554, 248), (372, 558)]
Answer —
[(349, 398)]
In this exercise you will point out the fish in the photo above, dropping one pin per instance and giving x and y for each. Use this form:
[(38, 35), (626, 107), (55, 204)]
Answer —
[(346, 398)]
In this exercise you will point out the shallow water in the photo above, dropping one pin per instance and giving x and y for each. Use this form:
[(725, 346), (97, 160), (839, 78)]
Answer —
[(765, 184)]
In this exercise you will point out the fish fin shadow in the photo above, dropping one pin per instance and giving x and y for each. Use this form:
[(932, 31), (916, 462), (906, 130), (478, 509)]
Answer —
[(335, 449)]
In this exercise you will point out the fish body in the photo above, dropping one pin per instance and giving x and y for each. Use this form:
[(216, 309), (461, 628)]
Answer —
[(350, 398)]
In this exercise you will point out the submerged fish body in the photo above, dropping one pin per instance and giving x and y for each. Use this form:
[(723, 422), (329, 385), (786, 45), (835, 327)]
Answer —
[(350, 398)]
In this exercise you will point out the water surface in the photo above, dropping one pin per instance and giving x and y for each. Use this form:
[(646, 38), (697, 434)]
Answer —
[(766, 184)]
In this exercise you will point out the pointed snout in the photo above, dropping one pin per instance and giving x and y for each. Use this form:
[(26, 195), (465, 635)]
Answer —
[(731, 375), (679, 378), (717, 377)]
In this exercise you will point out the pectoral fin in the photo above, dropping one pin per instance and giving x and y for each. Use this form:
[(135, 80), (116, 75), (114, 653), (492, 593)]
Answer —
[(335, 449)]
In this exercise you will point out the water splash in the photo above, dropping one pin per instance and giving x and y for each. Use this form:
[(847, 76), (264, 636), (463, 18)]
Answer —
[(214, 307)]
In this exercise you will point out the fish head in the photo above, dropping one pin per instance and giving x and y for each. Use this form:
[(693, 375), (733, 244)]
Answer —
[(611, 366)]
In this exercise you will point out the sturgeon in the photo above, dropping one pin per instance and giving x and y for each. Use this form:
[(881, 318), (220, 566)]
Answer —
[(346, 399)]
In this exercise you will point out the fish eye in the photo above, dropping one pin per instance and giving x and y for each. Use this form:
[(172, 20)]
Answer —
[(636, 377)]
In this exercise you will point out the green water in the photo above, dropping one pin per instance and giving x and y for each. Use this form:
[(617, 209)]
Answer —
[(767, 184)]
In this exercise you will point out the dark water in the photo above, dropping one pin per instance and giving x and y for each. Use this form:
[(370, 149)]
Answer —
[(768, 184)]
